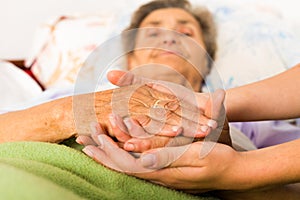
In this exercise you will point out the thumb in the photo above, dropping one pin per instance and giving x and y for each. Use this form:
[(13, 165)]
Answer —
[(215, 107), (162, 157), (123, 78), (114, 76)]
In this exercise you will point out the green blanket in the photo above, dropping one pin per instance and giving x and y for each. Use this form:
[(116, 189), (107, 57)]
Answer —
[(36, 170)]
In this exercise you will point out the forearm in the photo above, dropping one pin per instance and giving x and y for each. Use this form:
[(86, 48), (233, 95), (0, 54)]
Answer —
[(277, 97), (55, 121), (276, 165), (49, 122)]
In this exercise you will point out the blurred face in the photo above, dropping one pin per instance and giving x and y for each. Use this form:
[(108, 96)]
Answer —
[(172, 47)]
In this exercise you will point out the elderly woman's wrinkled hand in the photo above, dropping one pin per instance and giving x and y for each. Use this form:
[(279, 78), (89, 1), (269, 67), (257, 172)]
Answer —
[(158, 113)]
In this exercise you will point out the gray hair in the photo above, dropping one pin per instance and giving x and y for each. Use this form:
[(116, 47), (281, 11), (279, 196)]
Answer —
[(201, 14)]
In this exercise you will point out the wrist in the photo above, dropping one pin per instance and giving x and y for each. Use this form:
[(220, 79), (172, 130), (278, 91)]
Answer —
[(240, 174), (258, 169), (247, 171), (234, 105), (62, 118)]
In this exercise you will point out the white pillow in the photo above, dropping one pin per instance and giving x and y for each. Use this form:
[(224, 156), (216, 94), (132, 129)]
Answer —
[(254, 42), (16, 87)]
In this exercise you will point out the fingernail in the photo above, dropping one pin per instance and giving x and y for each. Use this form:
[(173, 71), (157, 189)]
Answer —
[(148, 160), (88, 152), (175, 128), (173, 105), (101, 142), (129, 147), (78, 140), (128, 123), (199, 135), (204, 128), (112, 120), (212, 123)]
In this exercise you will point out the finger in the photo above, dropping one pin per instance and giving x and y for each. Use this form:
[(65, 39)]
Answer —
[(158, 115), (216, 112), (224, 137), (96, 130), (122, 78), (192, 129), (88, 140), (135, 129), (145, 127), (181, 92), (152, 127), (115, 75), (215, 104), (182, 156), (120, 157), (178, 178), (108, 140), (162, 157), (118, 127), (100, 156), (196, 117), (166, 102), (172, 126), (192, 105), (85, 140), (141, 145), (181, 100)]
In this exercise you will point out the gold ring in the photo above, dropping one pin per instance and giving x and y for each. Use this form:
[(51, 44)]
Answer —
[(156, 103)]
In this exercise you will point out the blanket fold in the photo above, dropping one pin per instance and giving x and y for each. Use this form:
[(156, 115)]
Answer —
[(37, 170)]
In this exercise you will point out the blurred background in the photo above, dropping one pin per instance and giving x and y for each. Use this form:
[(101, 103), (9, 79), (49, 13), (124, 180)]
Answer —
[(19, 19)]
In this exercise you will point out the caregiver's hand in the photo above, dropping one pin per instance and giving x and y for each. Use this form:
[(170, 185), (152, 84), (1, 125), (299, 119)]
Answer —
[(199, 108), (175, 167)]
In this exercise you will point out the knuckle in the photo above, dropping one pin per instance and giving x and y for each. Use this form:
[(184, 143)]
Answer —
[(143, 120)]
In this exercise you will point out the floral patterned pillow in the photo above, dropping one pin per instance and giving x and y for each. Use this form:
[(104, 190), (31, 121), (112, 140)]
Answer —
[(62, 45)]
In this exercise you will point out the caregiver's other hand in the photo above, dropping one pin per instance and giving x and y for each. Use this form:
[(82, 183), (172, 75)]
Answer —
[(191, 172), (175, 167), (210, 105), (223, 169)]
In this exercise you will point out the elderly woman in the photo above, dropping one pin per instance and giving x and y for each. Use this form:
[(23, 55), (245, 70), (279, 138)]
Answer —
[(55, 121)]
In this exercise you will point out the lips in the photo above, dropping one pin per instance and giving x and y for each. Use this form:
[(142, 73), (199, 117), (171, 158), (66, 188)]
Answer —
[(170, 52)]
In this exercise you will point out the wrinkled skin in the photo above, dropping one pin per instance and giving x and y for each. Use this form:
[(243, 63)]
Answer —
[(171, 112)]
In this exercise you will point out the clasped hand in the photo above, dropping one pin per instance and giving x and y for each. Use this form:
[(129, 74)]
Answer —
[(141, 132)]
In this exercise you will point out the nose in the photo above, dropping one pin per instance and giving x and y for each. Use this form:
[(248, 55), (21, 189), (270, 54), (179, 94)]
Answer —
[(169, 39), (169, 42)]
